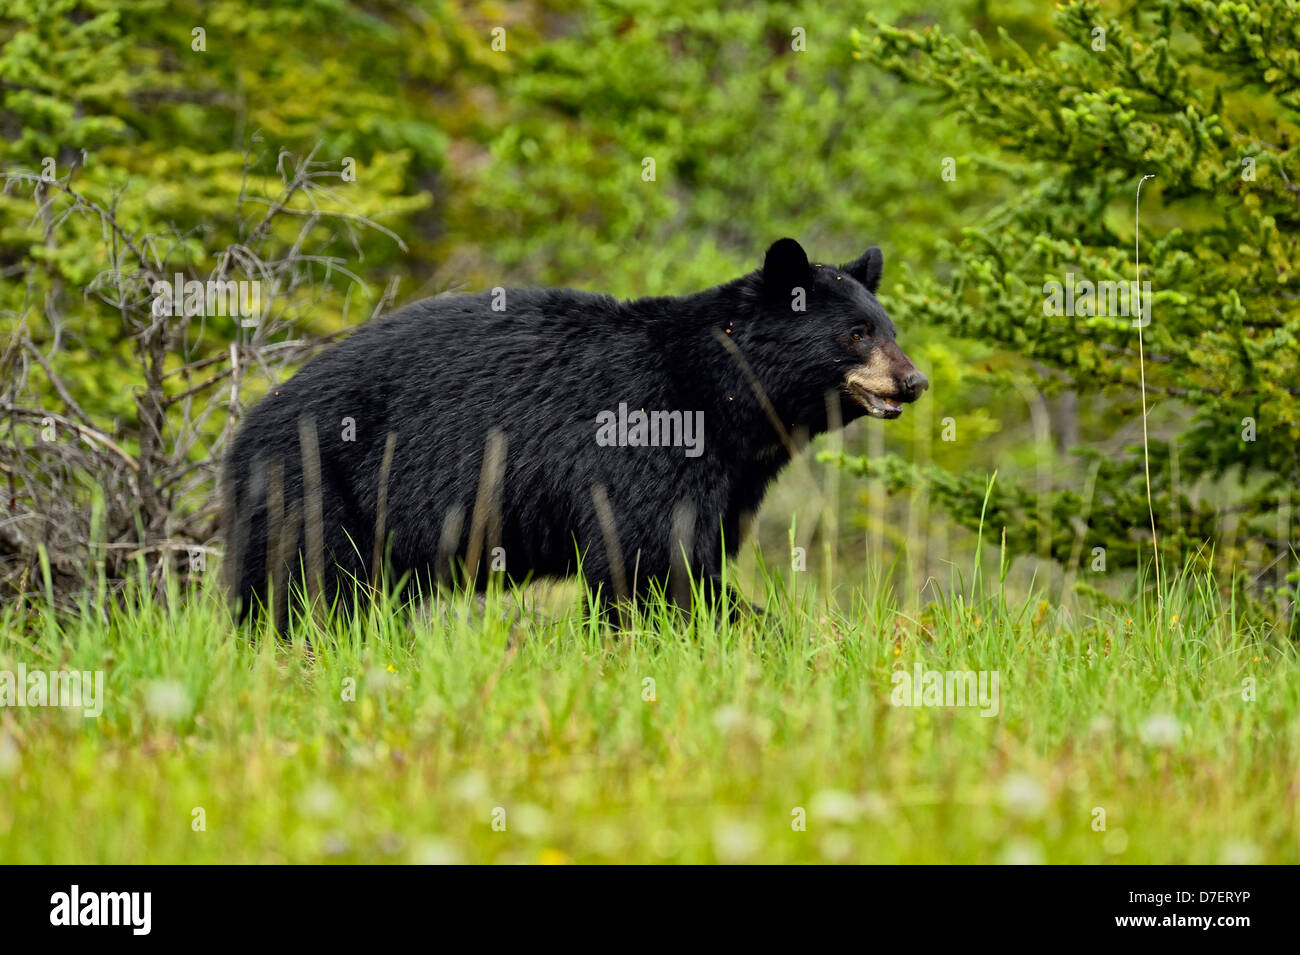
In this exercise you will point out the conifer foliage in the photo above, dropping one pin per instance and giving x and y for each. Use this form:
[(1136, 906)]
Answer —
[(1205, 98)]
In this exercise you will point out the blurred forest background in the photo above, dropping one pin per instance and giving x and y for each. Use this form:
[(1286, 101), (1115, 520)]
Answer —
[(354, 157)]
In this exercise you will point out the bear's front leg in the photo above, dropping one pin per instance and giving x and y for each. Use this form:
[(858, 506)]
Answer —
[(695, 574)]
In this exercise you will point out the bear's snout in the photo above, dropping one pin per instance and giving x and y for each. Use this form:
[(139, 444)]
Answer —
[(885, 381), (914, 384)]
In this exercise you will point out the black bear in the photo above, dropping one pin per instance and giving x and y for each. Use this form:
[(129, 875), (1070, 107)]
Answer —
[(534, 431)]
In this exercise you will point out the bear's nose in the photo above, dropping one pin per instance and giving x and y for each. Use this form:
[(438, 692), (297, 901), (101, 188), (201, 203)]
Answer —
[(915, 383)]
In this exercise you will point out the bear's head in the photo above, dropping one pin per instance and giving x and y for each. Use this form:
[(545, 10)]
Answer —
[(828, 316)]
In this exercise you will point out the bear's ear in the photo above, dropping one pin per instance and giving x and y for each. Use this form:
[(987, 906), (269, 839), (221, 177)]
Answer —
[(785, 267), (866, 268)]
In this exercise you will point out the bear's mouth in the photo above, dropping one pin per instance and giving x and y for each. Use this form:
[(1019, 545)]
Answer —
[(877, 405)]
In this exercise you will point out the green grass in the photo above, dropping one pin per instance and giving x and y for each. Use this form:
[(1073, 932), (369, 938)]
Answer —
[(461, 713)]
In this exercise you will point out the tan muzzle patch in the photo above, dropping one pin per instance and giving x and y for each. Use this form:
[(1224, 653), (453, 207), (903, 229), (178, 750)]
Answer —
[(876, 384), (876, 375)]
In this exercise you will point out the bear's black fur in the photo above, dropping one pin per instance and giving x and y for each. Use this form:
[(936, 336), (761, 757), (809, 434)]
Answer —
[(488, 421)]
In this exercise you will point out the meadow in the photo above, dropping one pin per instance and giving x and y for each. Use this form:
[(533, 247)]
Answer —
[(510, 732)]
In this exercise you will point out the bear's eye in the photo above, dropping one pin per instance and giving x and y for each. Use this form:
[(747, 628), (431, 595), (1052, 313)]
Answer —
[(858, 333)]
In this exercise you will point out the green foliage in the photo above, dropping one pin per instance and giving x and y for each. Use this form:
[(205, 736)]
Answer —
[(756, 123), (1060, 525), (1193, 93), (184, 139)]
